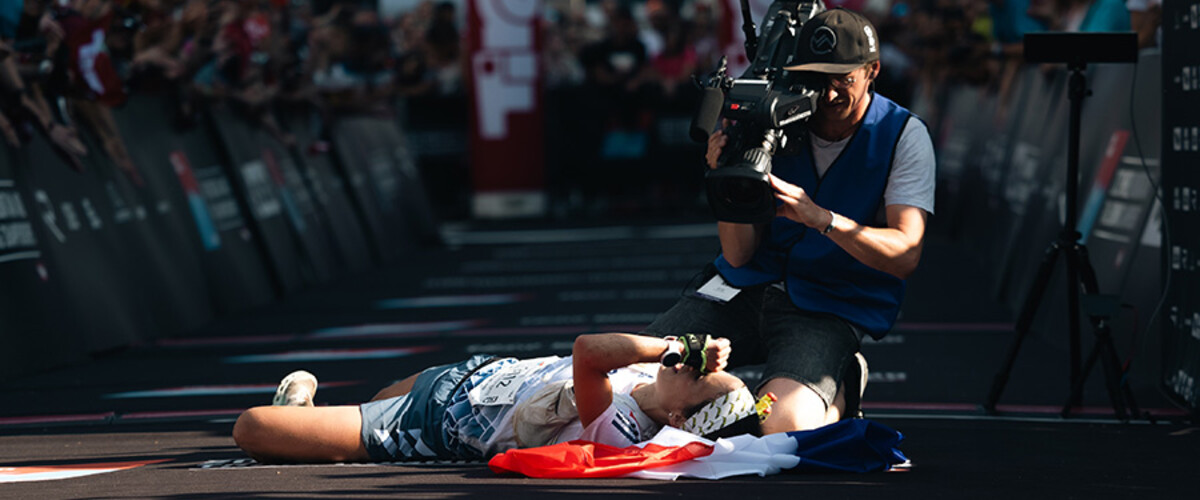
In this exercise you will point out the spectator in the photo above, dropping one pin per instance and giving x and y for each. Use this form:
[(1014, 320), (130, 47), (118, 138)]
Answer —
[(29, 23), (1145, 17), (444, 50), (674, 66)]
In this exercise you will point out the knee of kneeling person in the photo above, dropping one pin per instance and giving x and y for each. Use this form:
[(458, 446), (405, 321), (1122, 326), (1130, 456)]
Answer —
[(799, 408)]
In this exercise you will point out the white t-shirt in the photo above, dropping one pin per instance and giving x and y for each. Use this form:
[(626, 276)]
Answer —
[(913, 166), (622, 424)]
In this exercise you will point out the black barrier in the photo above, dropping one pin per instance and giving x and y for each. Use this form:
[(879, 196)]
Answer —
[(1181, 189), (329, 191), (985, 171), (1120, 217), (374, 183), (438, 131), (173, 287), (266, 197), (1025, 167), (958, 135), (416, 209), (235, 266), (34, 331), (82, 223), (182, 165), (1033, 185), (313, 238), (221, 218)]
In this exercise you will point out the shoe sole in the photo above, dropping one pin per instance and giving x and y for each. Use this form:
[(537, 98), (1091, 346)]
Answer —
[(280, 398)]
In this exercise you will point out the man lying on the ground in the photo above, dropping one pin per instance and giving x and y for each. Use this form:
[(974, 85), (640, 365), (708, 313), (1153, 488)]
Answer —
[(486, 405)]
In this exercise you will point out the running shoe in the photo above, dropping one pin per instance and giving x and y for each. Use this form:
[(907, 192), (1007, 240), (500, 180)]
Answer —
[(296, 389)]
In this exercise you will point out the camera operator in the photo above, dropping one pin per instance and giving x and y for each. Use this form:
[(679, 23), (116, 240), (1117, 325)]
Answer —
[(853, 190)]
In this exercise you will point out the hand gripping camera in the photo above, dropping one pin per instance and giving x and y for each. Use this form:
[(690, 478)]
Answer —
[(763, 101)]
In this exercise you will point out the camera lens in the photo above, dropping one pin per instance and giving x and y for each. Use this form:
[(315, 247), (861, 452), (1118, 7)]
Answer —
[(742, 192)]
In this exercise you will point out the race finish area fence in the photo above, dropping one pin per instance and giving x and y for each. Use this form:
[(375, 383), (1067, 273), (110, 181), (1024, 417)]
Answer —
[(222, 218)]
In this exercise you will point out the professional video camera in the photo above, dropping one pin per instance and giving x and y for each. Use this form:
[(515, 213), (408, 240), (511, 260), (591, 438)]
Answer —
[(761, 102)]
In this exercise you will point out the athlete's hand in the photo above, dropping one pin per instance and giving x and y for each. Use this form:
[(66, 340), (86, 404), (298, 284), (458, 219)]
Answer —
[(717, 353)]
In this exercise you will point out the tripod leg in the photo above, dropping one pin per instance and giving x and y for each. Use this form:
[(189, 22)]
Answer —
[(1024, 322), (1074, 399), (1119, 393)]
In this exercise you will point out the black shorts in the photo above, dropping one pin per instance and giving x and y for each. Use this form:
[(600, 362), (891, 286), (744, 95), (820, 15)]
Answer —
[(764, 327)]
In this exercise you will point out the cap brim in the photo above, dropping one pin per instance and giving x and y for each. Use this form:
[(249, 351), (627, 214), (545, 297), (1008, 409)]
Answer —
[(836, 69)]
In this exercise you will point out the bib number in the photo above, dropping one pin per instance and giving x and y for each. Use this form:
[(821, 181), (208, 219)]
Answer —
[(501, 388)]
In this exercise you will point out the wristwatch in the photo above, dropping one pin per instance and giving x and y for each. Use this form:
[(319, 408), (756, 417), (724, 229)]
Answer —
[(829, 228), (674, 353)]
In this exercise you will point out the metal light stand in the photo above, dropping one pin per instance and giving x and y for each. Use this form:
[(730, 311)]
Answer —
[(1080, 275)]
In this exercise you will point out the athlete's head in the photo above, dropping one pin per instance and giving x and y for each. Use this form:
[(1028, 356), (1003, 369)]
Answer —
[(696, 402), (731, 414)]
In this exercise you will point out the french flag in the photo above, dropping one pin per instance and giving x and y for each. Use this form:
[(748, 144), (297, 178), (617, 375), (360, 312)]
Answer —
[(854, 445)]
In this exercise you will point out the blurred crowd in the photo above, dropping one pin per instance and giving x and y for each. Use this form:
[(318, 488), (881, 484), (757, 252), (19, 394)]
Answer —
[(66, 64)]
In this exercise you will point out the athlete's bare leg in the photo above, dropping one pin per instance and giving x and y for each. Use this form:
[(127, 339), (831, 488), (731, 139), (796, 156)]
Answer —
[(275, 434), (397, 389)]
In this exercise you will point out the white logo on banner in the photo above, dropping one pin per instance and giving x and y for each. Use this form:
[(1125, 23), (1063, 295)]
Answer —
[(260, 190), (17, 241), (506, 67), (48, 215)]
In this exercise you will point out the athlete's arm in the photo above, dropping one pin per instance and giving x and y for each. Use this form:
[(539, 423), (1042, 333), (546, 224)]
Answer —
[(597, 354)]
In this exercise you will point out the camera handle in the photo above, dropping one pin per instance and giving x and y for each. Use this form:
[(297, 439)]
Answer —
[(749, 30)]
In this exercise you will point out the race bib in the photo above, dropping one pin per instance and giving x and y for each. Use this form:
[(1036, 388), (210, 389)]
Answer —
[(501, 388)]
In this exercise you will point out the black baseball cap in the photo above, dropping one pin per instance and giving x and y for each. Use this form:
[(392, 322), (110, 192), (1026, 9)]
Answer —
[(836, 41)]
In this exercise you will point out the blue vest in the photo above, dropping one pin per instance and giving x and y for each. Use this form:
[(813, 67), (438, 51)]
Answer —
[(820, 276)]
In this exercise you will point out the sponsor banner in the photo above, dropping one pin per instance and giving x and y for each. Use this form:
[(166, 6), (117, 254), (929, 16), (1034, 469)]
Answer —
[(210, 238), (92, 231), (1181, 190), (364, 161), (300, 204), (420, 223), (237, 273), (17, 239), (33, 330), (507, 150), (258, 190), (329, 192), (200, 243), (1028, 179)]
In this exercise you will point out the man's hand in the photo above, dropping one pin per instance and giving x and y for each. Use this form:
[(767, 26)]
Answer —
[(716, 142), (895, 249), (798, 206)]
